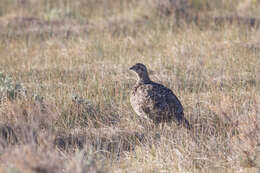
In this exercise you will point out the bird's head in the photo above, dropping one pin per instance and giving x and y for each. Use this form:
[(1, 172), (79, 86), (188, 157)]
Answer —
[(139, 68), (141, 71)]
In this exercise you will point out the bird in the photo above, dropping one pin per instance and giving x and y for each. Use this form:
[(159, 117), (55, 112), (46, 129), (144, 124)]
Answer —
[(154, 101)]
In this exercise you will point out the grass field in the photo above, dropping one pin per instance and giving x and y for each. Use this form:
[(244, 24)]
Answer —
[(65, 83)]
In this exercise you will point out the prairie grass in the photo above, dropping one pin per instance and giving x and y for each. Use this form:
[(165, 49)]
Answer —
[(65, 85)]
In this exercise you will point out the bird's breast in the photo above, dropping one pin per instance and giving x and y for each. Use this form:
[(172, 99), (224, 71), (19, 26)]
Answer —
[(138, 100)]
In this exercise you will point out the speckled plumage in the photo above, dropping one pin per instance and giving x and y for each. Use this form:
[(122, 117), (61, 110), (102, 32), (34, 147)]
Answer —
[(155, 101)]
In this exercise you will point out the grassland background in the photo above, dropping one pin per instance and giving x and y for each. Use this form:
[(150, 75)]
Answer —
[(65, 83)]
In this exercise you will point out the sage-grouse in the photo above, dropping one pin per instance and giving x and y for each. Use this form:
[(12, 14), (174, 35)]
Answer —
[(155, 101)]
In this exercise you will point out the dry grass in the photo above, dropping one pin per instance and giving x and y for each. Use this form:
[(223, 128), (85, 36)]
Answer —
[(65, 84)]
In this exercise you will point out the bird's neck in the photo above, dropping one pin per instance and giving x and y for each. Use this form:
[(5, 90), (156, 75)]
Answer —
[(143, 78)]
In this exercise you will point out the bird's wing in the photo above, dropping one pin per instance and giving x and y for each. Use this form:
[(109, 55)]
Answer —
[(161, 99)]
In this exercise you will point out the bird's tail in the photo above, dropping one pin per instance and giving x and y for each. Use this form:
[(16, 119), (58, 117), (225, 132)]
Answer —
[(184, 122)]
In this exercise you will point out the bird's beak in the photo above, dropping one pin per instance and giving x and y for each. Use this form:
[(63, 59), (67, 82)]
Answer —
[(132, 68)]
